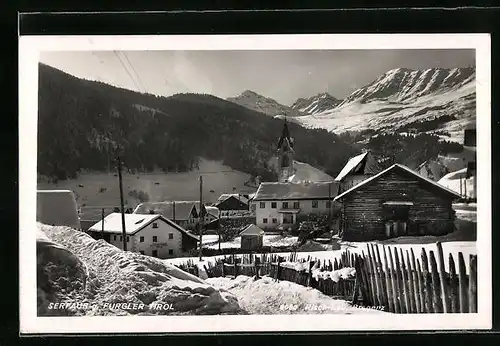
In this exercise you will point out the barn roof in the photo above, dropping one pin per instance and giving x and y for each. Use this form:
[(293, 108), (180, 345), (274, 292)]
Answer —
[(252, 230), (166, 209), (133, 223), (361, 164), (403, 169), (239, 197), (293, 191)]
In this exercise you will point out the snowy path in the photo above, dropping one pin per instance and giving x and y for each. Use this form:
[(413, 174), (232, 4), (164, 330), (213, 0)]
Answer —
[(266, 296)]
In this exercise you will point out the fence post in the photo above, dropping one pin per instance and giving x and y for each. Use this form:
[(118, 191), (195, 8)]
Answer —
[(374, 271), (454, 299), (383, 279), (427, 282), (436, 285), (473, 284), (416, 282), (257, 267), (400, 286), (444, 281), (394, 284), (421, 288), (406, 292), (464, 304), (411, 282)]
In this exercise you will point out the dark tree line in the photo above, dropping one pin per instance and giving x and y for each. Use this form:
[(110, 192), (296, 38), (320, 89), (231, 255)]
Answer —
[(84, 124)]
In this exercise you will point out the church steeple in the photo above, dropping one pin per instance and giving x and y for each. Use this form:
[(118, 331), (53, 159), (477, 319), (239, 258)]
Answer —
[(285, 154)]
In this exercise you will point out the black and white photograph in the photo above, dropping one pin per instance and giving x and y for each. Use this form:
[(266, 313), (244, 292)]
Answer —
[(322, 182)]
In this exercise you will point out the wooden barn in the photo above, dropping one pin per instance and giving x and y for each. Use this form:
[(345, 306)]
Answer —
[(252, 238), (232, 201), (396, 202)]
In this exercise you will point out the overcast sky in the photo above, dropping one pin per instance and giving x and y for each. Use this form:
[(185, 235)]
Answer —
[(282, 75)]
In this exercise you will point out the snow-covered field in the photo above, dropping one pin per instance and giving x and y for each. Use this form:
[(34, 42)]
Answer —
[(267, 296)]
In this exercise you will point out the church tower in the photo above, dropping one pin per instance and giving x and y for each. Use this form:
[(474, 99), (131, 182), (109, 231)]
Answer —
[(285, 155)]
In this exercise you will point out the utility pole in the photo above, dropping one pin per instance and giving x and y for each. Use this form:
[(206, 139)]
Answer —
[(330, 209), (102, 228), (124, 233), (173, 211), (201, 214)]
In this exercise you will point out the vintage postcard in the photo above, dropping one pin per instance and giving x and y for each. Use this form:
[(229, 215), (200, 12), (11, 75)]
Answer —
[(255, 183)]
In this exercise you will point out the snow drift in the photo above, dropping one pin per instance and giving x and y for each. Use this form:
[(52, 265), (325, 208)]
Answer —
[(73, 267)]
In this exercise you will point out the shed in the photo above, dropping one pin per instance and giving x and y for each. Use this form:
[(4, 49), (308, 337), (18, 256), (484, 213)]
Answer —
[(252, 238), (57, 208), (396, 202)]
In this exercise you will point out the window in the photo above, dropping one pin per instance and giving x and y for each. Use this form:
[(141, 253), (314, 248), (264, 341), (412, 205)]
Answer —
[(314, 204), (155, 239), (155, 253), (170, 251), (273, 205), (264, 220), (141, 252), (275, 220), (155, 224), (170, 236), (141, 239), (296, 205), (328, 204), (121, 238), (262, 205), (285, 205), (114, 237), (128, 239)]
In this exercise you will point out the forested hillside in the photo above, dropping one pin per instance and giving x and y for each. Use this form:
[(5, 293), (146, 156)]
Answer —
[(84, 124)]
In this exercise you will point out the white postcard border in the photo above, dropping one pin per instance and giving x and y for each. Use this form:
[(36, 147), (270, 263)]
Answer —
[(29, 50)]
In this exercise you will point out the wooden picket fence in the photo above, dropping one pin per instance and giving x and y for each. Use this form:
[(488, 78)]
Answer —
[(402, 283)]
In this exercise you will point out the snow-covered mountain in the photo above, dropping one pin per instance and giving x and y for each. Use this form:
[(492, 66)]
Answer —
[(436, 100), (316, 104), (256, 102)]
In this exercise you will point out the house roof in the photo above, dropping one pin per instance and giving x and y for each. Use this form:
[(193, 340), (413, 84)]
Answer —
[(360, 164), (214, 211), (293, 191), (166, 209), (239, 197), (305, 172), (133, 223), (403, 169), (252, 230)]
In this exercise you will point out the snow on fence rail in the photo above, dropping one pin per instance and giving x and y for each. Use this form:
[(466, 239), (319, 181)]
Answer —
[(398, 281), (402, 285), (336, 279)]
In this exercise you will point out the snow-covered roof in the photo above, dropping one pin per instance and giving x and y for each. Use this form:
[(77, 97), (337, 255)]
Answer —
[(133, 223), (214, 211), (404, 169), (252, 230), (361, 164), (166, 209), (305, 172), (240, 197), (294, 191)]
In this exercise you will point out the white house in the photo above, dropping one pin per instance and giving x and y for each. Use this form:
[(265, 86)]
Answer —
[(277, 204), (150, 234)]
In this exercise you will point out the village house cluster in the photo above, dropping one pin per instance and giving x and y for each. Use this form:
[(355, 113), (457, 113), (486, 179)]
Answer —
[(363, 202)]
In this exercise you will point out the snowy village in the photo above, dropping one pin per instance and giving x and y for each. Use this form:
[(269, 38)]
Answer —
[(260, 231)]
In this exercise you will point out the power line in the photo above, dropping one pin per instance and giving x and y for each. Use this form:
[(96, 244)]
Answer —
[(126, 70), (134, 70)]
